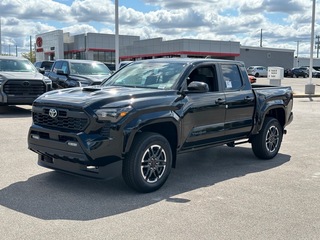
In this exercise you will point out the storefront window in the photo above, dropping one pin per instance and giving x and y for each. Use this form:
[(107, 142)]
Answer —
[(104, 56)]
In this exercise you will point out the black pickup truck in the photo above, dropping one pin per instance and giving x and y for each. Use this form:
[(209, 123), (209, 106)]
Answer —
[(149, 111), (66, 73)]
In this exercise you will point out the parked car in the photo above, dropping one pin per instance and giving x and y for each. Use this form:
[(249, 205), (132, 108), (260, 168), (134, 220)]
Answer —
[(315, 73), (44, 66), (124, 63), (20, 81), (111, 66), (257, 71), (67, 73), (297, 72)]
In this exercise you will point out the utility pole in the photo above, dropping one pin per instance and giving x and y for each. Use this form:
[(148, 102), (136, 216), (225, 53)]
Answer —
[(298, 43), (30, 49), (0, 39), (261, 38), (317, 45)]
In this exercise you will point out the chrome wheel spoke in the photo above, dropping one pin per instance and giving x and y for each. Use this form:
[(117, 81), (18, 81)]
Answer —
[(153, 163), (272, 139)]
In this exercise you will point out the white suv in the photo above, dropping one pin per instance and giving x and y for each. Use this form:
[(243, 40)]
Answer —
[(257, 71)]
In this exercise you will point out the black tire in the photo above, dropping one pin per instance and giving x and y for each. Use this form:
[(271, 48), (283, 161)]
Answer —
[(267, 143), (148, 164), (256, 75)]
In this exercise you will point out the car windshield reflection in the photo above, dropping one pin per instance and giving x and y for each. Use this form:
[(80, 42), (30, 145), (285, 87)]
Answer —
[(89, 69), (16, 66), (161, 75)]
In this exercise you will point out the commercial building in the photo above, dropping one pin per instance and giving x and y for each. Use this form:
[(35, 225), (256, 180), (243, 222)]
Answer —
[(95, 46), (268, 57)]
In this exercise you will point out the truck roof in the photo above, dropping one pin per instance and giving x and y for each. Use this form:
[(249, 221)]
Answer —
[(191, 60)]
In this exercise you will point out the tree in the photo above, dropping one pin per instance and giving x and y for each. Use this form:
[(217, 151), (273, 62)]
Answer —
[(31, 57)]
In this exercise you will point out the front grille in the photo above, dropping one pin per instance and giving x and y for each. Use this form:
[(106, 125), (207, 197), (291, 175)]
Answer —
[(24, 87), (65, 119)]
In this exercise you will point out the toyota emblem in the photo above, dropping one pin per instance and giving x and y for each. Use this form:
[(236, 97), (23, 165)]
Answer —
[(53, 113), (26, 84)]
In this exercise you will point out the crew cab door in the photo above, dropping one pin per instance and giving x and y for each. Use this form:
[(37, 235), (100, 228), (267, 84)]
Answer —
[(240, 101), (204, 112), (59, 74)]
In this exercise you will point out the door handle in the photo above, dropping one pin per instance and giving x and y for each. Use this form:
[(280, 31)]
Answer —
[(248, 99), (220, 101)]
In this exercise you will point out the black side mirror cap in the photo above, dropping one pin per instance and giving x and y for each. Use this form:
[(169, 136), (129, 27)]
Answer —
[(198, 87)]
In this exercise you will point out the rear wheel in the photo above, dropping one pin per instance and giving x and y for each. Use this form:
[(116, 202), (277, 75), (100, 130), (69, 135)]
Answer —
[(256, 75), (267, 143), (148, 164)]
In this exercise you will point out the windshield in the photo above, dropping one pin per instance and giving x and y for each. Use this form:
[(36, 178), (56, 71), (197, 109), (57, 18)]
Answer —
[(89, 68), (47, 65), (162, 75), (16, 65)]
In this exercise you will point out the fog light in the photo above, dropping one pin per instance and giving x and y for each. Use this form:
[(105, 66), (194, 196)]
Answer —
[(35, 136)]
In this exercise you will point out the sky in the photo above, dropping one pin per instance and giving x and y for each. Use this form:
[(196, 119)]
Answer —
[(284, 24)]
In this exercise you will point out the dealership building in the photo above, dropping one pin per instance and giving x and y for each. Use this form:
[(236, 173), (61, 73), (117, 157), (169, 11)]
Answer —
[(101, 47)]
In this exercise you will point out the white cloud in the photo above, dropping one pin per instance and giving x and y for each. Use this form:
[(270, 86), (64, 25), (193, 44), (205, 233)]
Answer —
[(283, 22)]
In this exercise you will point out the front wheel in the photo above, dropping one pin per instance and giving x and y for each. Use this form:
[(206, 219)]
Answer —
[(148, 164), (267, 143)]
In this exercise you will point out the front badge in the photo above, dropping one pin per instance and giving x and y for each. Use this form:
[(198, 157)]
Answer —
[(53, 113)]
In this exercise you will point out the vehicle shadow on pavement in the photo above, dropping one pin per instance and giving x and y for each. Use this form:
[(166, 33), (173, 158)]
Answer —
[(14, 112), (54, 195)]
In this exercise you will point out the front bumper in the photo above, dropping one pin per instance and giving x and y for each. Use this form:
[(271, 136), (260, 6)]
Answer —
[(98, 172), (74, 152)]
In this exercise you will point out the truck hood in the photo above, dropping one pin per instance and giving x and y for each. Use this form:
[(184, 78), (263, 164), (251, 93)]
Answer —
[(90, 78), (111, 96), (22, 75)]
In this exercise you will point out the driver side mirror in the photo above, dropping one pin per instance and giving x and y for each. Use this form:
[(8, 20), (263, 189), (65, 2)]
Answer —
[(61, 72), (198, 87)]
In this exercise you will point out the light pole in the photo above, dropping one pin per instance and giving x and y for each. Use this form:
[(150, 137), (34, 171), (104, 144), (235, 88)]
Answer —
[(117, 34), (310, 88)]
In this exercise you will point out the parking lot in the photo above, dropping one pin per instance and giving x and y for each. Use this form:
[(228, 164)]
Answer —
[(218, 193)]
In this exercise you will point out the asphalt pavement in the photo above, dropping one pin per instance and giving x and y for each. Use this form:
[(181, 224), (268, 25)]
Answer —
[(298, 85)]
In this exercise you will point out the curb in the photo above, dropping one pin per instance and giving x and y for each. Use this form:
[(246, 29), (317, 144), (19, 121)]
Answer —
[(305, 95)]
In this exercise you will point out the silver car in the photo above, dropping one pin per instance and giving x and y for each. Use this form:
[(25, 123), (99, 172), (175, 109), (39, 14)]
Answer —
[(257, 71)]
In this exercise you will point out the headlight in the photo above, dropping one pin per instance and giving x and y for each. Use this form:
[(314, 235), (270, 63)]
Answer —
[(1, 80), (47, 80), (112, 114), (83, 84)]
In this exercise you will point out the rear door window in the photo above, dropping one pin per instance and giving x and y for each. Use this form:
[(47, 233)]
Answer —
[(231, 76)]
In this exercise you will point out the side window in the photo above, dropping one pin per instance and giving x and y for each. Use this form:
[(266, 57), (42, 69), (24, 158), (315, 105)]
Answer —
[(64, 67), (206, 74), (57, 66), (231, 76)]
